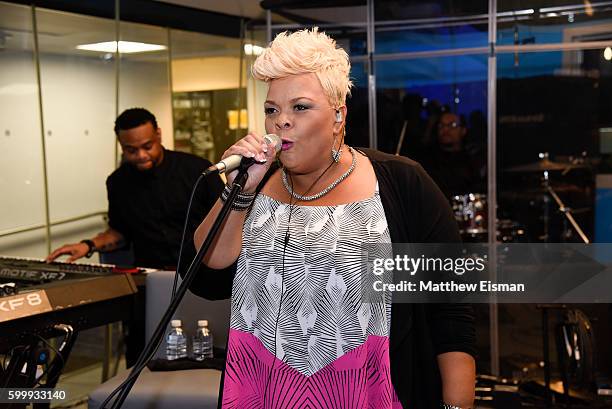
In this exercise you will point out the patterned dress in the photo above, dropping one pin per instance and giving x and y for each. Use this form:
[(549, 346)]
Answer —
[(300, 334)]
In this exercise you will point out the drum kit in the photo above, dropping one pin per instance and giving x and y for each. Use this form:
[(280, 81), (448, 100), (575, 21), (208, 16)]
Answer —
[(471, 214), (536, 200), (470, 209)]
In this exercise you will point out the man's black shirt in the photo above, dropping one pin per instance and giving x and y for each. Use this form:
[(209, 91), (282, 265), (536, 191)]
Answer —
[(149, 207), (455, 173)]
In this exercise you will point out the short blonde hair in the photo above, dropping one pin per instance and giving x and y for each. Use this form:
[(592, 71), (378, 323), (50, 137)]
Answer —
[(307, 51)]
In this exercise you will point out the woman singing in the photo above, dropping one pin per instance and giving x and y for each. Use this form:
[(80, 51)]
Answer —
[(289, 256)]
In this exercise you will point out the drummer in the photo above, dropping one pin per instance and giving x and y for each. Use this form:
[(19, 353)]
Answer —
[(447, 161)]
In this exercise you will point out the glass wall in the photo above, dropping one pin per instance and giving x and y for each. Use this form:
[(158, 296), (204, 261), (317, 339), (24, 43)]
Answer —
[(412, 65), (78, 109), (144, 77), (208, 93), (22, 171), (550, 100), (438, 25), (63, 80), (58, 128), (553, 101), (57, 139), (413, 93), (357, 120), (554, 22), (541, 110)]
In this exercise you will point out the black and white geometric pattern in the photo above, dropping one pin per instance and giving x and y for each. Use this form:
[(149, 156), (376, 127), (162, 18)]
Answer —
[(322, 316)]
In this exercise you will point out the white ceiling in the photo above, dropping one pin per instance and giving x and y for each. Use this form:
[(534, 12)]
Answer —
[(60, 33)]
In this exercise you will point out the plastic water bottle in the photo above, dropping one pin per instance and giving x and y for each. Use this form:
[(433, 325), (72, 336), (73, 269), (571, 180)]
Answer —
[(202, 342), (176, 342)]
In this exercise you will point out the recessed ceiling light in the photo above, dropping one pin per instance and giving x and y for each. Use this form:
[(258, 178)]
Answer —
[(125, 47)]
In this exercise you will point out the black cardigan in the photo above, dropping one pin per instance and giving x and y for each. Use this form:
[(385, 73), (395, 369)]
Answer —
[(416, 212)]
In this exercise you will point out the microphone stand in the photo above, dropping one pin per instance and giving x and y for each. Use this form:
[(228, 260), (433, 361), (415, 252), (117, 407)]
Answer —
[(159, 332)]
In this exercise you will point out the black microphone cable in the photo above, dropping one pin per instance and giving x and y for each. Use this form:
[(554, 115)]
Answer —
[(141, 363), (282, 292), (285, 244), (180, 255)]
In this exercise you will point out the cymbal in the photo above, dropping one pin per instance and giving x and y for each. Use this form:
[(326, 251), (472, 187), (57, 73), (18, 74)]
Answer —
[(537, 191), (540, 166), (581, 210)]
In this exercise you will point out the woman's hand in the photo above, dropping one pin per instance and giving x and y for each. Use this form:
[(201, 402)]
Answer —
[(251, 146)]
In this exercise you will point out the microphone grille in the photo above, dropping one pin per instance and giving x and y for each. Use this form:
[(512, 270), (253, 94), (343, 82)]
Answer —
[(274, 140)]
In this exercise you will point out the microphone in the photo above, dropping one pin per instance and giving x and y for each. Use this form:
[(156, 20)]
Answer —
[(233, 162)]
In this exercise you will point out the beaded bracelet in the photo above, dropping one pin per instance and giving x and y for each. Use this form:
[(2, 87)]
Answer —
[(242, 201)]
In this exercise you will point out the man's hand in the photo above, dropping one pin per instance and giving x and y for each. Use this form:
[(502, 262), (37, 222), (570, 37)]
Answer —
[(76, 251), (108, 240)]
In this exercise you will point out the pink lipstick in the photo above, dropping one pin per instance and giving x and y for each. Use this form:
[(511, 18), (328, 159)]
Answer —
[(287, 144)]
